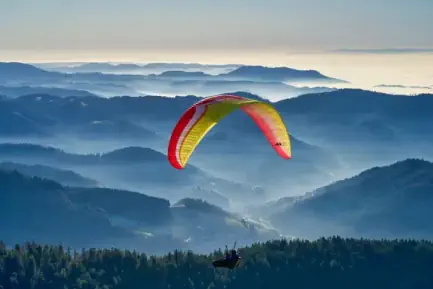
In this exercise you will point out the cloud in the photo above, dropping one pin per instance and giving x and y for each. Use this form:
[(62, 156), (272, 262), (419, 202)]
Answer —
[(385, 50), (404, 86)]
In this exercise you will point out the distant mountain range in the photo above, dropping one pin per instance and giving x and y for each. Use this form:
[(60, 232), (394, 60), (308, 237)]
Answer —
[(278, 74), (16, 70), (253, 73), (125, 68), (240, 72), (272, 81), (17, 91)]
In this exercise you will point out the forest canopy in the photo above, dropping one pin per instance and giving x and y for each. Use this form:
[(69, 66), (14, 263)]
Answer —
[(325, 263)]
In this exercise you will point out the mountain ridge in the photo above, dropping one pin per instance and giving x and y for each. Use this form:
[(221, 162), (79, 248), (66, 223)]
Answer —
[(32, 202), (64, 177), (278, 73), (244, 71), (391, 200)]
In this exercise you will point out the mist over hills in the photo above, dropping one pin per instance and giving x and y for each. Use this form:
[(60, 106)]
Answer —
[(391, 201), (45, 211), (133, 168), (101, 154), (132, 68), (95, 79), (352, 128), (156, 117), (353, 122), (363, 126)]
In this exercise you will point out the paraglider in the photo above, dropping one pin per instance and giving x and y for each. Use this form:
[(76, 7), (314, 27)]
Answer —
[(230, 261), (199, 119)]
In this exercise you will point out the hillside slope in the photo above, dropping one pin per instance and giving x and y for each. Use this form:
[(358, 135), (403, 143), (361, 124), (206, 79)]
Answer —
[(388, 201)]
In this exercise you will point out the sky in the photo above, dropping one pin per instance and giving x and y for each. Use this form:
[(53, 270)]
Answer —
[(223, 25), (367, 42)]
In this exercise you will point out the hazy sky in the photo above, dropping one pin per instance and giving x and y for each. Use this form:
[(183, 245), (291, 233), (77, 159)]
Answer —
[(223, 25)]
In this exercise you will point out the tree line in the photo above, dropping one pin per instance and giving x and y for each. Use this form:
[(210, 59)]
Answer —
[(333, 262)]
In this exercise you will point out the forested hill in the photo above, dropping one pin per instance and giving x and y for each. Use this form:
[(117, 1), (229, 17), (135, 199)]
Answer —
[(325, 263)]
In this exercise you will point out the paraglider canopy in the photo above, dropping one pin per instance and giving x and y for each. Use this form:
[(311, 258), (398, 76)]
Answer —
[(199, 119)]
